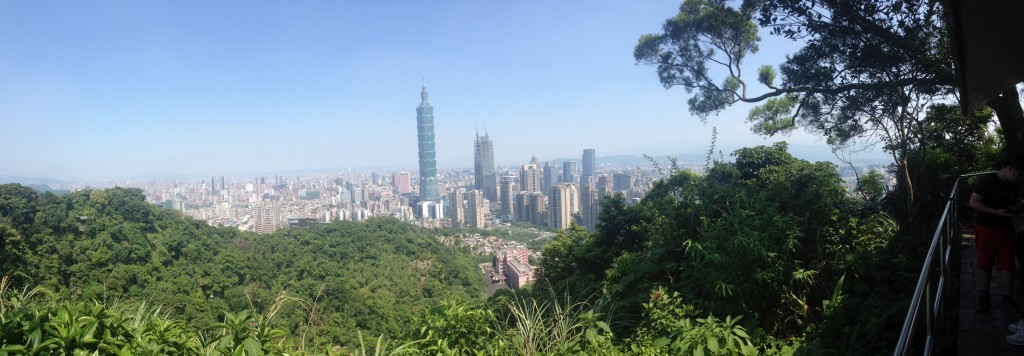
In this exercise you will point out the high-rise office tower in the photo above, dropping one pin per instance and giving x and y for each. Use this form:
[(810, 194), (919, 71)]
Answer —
[(483, 167), (561, 205), (428, 159), (456, 211), (530, 176), (550, 176), (569, 174), (589, 161), (507, 192)]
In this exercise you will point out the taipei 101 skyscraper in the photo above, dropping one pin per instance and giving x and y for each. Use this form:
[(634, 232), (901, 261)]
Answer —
[(428, 159)]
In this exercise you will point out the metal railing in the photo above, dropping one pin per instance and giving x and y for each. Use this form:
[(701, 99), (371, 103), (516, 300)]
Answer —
[(939, 253)]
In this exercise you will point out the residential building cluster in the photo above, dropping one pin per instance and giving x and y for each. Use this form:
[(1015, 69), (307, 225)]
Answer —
[(511, 260), (513, 263)]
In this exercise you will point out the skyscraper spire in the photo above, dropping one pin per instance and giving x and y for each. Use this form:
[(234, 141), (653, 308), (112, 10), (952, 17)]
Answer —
[(428, 161), (423, 95)]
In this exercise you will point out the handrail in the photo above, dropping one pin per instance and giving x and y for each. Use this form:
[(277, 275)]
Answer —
[(942, 241)]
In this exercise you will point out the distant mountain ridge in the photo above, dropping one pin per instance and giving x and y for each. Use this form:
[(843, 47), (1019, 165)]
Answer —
[(813, 153), (30, 180)]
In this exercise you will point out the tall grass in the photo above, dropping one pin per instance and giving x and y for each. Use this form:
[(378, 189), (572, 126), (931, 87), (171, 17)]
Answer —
[(554, 326)]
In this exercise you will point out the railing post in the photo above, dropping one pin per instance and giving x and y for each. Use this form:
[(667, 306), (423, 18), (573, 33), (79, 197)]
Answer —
[(929, 315), (943, 267), (942, 242)]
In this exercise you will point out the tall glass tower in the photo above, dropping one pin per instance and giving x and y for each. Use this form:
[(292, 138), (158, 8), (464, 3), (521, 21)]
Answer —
[(483, 167), (428, 157), (589, 158)]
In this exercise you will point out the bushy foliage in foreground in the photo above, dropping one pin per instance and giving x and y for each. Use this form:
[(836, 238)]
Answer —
[(764, 255), (34, 325), (31, 324), (110, 245), (773, 241)]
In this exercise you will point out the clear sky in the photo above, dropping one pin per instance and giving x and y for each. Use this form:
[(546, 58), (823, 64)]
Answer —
[(107, 89)]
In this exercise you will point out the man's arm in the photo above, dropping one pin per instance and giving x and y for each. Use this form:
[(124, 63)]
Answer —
[(978, 203)]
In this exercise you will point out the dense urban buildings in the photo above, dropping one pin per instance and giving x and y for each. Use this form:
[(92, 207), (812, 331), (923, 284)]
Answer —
[(428, 159), (532, 193), (264, 204), (554, 194)]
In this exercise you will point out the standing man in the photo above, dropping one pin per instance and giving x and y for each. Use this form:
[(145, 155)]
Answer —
[(993, 229)]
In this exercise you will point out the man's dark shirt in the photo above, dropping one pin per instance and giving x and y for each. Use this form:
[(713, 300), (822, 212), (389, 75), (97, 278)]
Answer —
[(997, 194)]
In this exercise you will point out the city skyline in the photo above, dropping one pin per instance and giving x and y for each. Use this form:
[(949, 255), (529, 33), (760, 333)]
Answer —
[(265, 204), (108, 90)]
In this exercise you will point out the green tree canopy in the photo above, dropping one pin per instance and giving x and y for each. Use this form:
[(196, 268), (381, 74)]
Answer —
[(858, 57), (866, 73), (375, 276)]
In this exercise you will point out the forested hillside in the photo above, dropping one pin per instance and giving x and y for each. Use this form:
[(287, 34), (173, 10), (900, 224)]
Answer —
[(112, 247), (766, 254)]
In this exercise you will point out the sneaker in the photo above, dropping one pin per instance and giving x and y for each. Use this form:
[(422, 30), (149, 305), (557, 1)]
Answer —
[(1017, 338), (984, 301), (1015, 327)]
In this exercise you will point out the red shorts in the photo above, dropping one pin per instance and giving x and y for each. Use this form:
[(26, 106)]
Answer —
[(994, 244)]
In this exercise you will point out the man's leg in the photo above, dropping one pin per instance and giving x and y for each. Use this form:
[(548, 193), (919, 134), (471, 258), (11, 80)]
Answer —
[(984, 300), (1006, 281), (985, 261), (1005, 260)]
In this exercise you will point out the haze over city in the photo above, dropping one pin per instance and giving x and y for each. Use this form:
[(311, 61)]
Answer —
[(110, 89)]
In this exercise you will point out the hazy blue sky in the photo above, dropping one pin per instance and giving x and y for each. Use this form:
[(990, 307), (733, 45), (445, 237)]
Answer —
[(103, 89)]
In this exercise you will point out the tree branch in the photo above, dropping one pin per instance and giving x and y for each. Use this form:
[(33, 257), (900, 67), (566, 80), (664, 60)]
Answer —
[(841, 88)]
